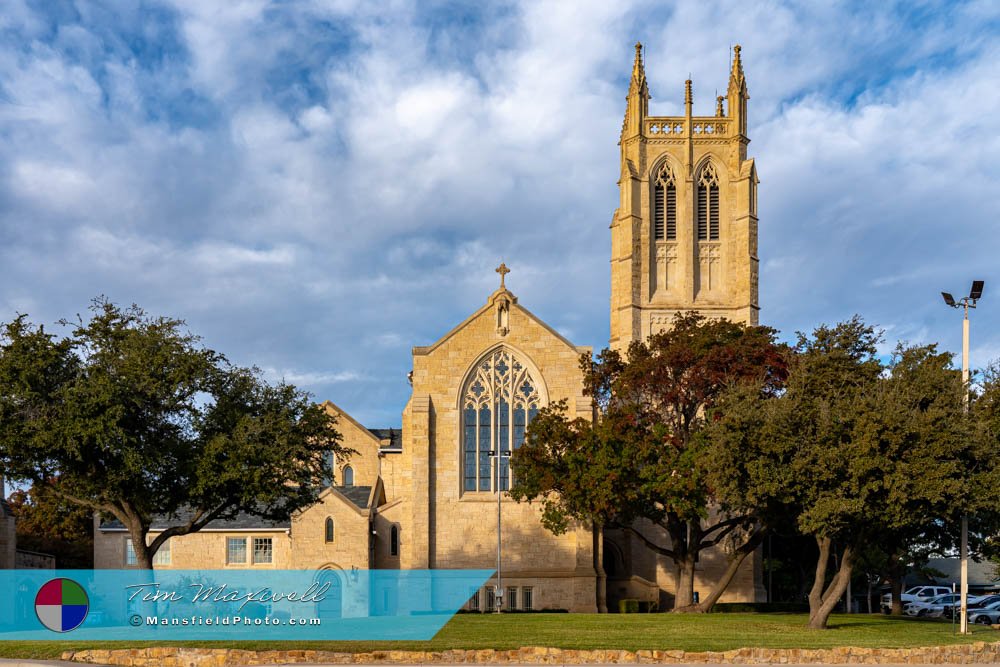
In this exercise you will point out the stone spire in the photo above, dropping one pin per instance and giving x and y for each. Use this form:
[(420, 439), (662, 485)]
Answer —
[(637, 101), (638, 71), (737, 93), (736, 78)]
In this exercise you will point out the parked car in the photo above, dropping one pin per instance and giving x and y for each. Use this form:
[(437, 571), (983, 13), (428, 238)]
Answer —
[(933, 608), (976, 602), (988, 615), (915, 594)]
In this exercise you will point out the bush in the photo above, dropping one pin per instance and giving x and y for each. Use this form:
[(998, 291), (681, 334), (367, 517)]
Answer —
[(628, 606)]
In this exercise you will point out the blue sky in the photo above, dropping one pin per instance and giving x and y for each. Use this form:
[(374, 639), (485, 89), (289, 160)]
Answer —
[(318, 186)]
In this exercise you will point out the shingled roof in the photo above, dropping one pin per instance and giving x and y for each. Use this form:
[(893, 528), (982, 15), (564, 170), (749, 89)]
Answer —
[(242, 521), (393, 435), (356, 494)]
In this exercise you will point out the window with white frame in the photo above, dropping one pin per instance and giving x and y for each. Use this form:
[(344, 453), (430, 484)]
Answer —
[(474, 600), (236, 550), (263, 550), (527, 598), (491, 598), (348, 476), (511, 597), (130, 557), (499, 401), (162, 556)]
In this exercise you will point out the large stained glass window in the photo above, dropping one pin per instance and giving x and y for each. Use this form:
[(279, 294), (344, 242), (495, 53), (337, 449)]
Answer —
[(498, 403)]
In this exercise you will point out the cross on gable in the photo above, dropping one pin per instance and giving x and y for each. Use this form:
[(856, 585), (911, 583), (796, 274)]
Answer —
[(503, 271)]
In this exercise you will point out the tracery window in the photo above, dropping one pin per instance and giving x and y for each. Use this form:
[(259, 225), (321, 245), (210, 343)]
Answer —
[(665, 205), (708, 204), (499, 401)]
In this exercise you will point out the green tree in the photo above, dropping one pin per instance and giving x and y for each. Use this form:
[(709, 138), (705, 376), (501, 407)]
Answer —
[(639, 459), (47, 523), (858, 454), (984, 492), (136, 420)]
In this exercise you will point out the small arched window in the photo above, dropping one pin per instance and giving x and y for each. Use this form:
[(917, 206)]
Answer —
[(329, 529), (329, 463), (708, 204), (348, 476), (394, 540), (665, 204)]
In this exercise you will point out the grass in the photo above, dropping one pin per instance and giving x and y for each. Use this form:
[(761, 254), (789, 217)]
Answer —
[(713, 632)]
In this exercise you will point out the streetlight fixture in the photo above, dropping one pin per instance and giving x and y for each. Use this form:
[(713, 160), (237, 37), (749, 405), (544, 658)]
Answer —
[(966, 302), (498, 456)]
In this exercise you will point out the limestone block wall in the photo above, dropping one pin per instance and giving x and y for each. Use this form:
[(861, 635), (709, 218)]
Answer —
[(202, 550), (396, 476), (391, 514), (355, 436), (349, 548), (457, 528)]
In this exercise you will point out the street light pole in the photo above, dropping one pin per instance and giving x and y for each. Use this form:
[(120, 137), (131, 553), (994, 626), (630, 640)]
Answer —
[(498, 596), (965, 303)]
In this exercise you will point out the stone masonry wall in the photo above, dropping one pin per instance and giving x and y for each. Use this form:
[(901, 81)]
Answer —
[(975, 653)]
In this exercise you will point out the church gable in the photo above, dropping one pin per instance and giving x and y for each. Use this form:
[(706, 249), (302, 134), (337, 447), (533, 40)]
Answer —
[(440, 370), (361, 469)]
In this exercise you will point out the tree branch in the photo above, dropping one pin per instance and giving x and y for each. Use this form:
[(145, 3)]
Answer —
[(663, 551)]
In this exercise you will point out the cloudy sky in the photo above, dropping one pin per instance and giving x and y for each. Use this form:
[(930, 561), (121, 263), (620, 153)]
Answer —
[(318, 186)]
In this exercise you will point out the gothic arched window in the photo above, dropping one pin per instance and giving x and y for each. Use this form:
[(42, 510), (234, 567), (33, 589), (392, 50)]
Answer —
[(329, 463), (348, 476), (498, 402), (328, 532), (665, 204), (708, 204)]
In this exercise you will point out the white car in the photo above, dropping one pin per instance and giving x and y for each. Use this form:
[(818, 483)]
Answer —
[(933, 608), (915, 594)]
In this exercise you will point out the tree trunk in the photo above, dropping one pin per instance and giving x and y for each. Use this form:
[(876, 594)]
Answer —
[(868, 578), (833, 593), (722, 584), (896, 585), (143, 554), (819, 582), (684, 582)]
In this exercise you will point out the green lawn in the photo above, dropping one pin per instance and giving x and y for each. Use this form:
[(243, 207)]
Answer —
[(713, 632)]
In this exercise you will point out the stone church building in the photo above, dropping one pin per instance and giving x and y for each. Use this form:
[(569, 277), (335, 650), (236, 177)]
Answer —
[(684, 237)]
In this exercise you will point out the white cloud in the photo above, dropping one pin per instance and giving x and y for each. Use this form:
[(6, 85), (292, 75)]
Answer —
[(314, 184)]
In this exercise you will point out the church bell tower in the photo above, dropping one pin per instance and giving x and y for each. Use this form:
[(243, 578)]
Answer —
[(684, 236)]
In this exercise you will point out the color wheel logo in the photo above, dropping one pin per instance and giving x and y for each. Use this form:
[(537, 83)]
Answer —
[(61, 605)]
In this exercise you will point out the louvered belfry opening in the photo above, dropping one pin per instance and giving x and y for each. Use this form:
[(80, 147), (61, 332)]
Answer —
[(664, 205), (708, 204)]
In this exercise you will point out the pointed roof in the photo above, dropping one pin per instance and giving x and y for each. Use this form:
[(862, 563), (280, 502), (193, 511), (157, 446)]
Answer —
[(638, 83), (737, 80)]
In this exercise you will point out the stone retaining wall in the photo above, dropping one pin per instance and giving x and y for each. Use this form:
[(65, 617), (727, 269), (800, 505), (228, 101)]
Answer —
[(975, 653)]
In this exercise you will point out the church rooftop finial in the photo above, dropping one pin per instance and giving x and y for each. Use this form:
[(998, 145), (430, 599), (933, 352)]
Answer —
[(503, 271), (638, 71), (737, 73)]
